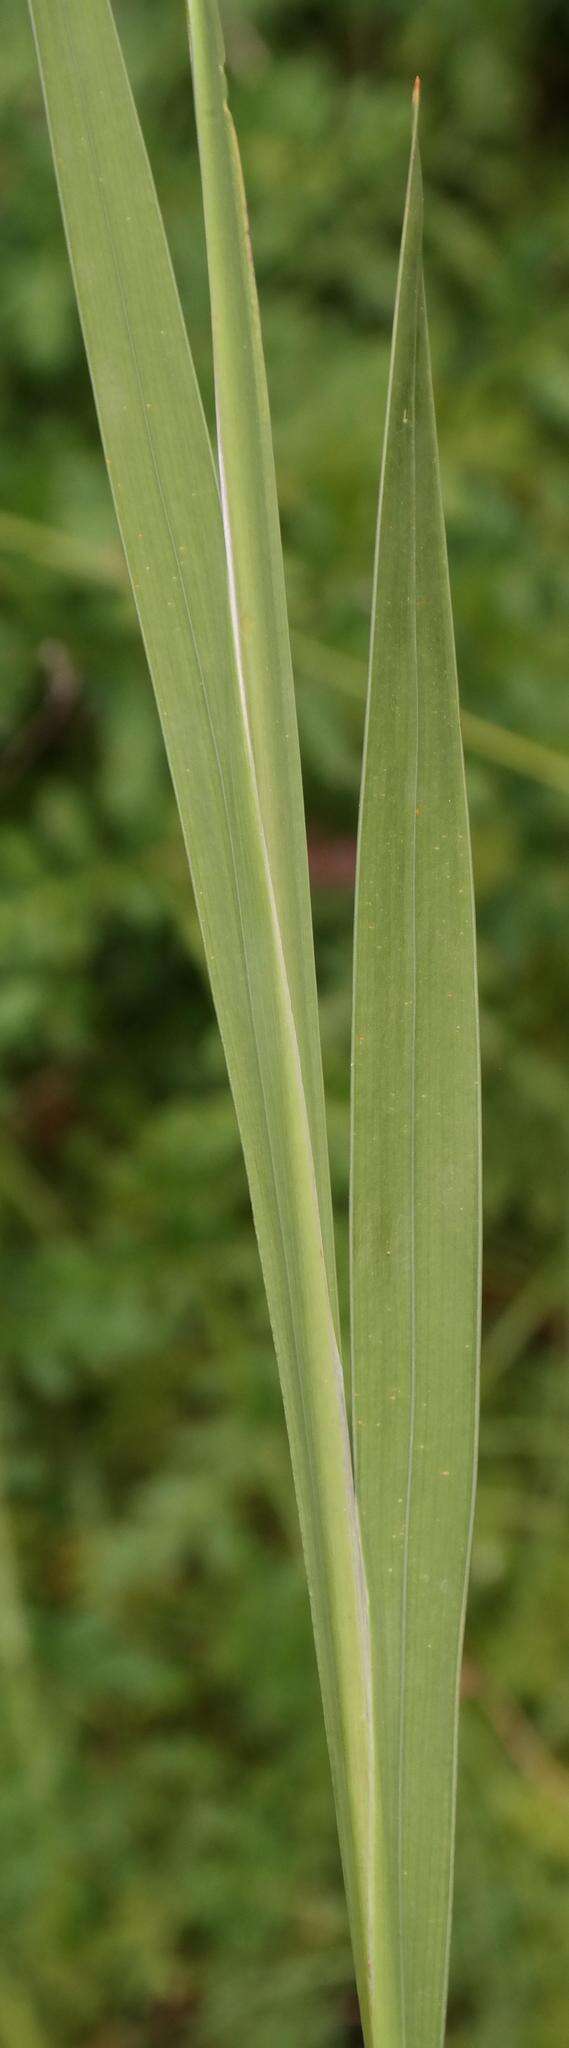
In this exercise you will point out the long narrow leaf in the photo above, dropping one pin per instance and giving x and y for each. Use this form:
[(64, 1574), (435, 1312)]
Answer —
[(253, 542), (415, 1170), (167, 502)]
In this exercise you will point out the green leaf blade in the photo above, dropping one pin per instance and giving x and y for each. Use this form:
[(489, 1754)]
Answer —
[(167, 503), (415, 1172), (254, 549)]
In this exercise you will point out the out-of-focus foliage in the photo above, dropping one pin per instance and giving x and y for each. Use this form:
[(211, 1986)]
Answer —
[(168, 1870)]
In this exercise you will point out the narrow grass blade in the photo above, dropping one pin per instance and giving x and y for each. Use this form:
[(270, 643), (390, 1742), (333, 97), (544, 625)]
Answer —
[(65, 554), (344, 674), (415, 1170), (62, 554), (167, 502), (254, 550)]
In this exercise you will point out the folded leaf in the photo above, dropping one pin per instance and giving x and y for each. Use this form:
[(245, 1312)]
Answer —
[(254, 550), (415, 1229)]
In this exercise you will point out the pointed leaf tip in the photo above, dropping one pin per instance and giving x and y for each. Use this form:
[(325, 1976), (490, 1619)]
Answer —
[(414, 1188), (417, 91)]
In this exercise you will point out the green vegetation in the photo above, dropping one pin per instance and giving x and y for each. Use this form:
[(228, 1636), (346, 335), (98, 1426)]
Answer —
[(168, 1860), (415, 1195)]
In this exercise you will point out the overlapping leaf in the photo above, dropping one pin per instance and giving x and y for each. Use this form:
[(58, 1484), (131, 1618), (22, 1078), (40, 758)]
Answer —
[(254, 552), (168, 506)]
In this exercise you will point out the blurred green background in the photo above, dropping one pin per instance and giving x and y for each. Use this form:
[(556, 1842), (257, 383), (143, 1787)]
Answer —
[(168, 1863)]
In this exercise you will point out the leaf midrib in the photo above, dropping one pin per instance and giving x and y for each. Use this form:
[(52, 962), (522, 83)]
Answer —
[(413, 1219)]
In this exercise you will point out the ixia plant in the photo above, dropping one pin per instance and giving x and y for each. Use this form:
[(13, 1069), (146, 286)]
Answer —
[(385, 1492)]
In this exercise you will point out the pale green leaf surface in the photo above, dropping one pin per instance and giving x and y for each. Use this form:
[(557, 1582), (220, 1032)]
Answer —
[(254, 551), (168, 507), (415, 1225)]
